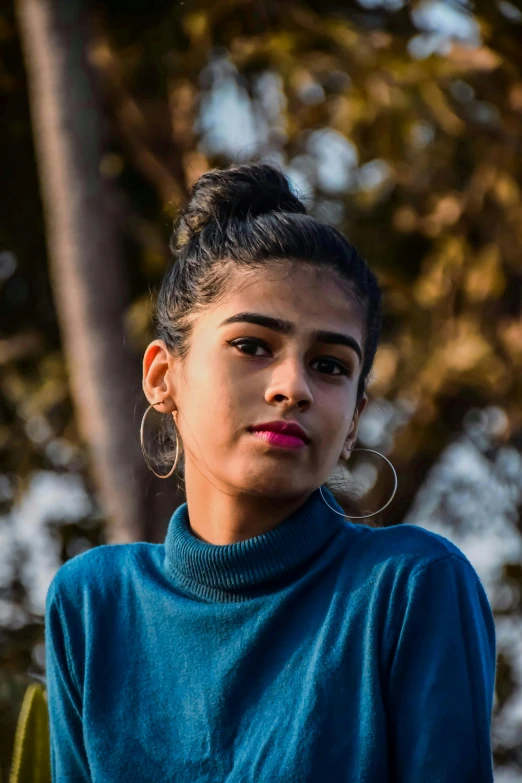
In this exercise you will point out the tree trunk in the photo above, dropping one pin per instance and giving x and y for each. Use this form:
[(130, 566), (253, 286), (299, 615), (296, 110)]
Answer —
[(87, 265)]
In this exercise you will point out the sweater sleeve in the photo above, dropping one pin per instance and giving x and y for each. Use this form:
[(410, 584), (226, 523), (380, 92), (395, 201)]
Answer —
[(68, 757), (442, 678)]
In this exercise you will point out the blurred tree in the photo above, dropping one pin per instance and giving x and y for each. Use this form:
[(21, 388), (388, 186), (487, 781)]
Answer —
[(89, 282)]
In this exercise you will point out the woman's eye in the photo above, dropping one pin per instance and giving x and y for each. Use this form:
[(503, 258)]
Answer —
[(332, 363), (249, 346), (253, 344)]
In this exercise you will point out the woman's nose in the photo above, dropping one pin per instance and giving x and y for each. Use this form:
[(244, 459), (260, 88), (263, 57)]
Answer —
[(289, 381)]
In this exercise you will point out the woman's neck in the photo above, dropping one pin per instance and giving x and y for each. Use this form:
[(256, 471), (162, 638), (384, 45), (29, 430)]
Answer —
[(225, 516)]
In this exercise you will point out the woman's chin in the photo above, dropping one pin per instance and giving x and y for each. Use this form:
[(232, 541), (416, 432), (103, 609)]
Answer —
[(275, 483)]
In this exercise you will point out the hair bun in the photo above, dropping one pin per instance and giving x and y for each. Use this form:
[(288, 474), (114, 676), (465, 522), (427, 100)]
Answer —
[(239, 191)]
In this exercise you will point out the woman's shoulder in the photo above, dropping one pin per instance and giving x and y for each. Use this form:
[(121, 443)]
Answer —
[(404, 547), (102, 569)]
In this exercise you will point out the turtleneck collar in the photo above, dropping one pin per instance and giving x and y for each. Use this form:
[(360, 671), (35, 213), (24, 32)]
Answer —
[(235, 572)]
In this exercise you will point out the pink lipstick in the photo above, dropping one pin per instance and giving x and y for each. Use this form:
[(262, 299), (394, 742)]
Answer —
[(279, 439)]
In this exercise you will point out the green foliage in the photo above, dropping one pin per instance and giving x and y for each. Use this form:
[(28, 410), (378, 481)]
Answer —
[(31, 758)]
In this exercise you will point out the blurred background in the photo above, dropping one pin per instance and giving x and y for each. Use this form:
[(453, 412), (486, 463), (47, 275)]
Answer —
[(400, 123)]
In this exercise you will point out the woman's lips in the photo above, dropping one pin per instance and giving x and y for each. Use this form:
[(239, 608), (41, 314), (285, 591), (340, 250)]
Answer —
[(278, 439)]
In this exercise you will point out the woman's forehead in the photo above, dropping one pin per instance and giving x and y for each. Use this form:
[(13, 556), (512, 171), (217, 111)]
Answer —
[(307, 291), (309, 300)]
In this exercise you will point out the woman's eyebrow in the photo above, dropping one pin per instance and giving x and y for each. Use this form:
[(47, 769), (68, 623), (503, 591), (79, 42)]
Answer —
[(287, 327)]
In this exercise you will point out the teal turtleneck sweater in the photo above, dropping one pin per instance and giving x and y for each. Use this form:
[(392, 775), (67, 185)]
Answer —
[(322, 650)]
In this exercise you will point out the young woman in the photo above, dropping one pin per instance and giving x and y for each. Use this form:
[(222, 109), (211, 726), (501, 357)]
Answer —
[(270, 638)]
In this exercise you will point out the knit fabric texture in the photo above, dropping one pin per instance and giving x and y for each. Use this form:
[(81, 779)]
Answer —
[(322, 650)]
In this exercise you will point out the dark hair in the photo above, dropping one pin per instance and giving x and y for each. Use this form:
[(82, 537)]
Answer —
[(246, 215)]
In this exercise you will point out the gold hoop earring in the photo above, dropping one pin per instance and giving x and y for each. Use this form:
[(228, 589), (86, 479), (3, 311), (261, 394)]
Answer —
[(173, 468), (365, 516)]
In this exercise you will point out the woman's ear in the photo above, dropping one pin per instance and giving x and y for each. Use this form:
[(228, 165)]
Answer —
[(352, 434), (157, 383)]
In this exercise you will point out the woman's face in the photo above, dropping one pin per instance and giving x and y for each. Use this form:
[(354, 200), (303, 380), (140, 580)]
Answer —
[(240, 374)]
